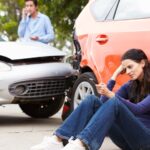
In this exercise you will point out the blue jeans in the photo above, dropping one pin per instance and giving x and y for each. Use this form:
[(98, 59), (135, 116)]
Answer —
[(93, 120)]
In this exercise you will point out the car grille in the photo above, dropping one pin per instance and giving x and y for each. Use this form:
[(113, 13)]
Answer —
[(38, 88)]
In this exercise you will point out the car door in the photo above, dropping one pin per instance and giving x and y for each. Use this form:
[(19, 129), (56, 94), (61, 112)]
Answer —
[(126, 26)]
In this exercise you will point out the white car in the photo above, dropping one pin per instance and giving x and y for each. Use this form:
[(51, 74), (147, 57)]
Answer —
[(34, 76)]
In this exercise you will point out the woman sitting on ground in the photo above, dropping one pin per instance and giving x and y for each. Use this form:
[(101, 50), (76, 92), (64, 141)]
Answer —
[(124, 116)]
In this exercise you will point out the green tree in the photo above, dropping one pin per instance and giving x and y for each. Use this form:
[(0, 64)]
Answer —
[(9, 17), (61, 12)]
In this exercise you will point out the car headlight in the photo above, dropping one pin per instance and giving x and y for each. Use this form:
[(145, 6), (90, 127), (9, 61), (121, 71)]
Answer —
[(4, 67)]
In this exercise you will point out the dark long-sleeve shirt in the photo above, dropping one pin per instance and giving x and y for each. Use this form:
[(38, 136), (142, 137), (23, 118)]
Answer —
[(141, 109)]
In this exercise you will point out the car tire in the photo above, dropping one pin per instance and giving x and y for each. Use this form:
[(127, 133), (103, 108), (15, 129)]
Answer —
[(43, 109), (85, 83)]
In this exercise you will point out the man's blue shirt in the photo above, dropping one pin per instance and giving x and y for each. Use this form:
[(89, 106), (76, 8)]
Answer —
[(40, 27)]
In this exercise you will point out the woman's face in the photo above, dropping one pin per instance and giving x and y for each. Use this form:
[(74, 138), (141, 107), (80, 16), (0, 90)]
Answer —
[(133, 69)]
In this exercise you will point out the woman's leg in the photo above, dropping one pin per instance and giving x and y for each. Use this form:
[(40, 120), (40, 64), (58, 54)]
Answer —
[(134, 132), (72, 126), (116, 136), (128, 132), (79, 118)]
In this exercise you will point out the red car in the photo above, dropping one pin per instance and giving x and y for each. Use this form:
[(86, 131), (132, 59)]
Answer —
[(104, 30)]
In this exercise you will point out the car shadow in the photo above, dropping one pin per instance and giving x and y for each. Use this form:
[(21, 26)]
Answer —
[(19, 120), (12, 115)]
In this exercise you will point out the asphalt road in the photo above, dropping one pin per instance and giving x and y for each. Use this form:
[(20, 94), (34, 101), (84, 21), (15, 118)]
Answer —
[(20, 132)]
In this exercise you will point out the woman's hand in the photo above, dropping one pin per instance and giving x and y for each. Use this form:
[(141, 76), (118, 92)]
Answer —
[(118, 71), (103, 90)]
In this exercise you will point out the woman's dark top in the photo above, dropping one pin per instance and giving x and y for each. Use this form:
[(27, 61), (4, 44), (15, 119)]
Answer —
[(141, 109)]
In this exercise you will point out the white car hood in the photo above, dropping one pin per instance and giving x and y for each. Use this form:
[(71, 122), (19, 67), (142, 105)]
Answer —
[(25, 50)]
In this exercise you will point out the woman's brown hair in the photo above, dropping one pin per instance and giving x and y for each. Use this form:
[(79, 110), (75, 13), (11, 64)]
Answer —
[(139, 89)]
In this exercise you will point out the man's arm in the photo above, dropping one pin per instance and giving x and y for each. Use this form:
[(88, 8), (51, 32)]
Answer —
[(22, 28), (49, 36), (22, 24)]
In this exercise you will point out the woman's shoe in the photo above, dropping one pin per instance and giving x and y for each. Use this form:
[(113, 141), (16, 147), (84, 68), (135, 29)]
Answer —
[(73, 146), (48, 143)]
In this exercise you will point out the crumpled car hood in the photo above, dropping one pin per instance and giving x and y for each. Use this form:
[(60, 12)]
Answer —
[(26, 50)]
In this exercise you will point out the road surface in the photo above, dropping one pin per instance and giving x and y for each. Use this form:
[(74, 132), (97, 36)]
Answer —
[(20, 132)]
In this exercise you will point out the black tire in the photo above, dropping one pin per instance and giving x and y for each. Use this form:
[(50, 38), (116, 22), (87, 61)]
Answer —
[(43, 109), (88, 79)]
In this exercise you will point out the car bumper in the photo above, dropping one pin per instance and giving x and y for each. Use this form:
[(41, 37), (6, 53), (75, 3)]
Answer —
[(37, 81)]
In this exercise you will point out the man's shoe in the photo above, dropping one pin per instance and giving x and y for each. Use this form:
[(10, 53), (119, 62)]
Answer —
[(48, 143)]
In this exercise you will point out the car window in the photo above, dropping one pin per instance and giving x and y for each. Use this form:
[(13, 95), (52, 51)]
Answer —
[(133, 9), (112, 12), (101, 8)]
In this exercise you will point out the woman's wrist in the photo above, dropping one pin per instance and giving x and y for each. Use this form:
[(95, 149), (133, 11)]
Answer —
[(114, 76), (117, 72), (111, 94)]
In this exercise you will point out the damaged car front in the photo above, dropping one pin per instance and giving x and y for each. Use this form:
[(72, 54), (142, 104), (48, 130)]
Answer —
[(34, 76)]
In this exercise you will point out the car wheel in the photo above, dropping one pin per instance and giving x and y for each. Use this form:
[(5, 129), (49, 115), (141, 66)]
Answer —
[(43, 109), (83, 86)]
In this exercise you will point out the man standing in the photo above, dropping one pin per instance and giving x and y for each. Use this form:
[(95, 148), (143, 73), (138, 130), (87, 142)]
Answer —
[(34, 25)]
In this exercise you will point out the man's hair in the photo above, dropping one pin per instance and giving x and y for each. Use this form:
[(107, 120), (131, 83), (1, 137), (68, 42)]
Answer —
[(34, 1)]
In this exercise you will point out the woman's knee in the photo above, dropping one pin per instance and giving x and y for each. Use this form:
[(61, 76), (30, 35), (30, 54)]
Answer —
[(112, 102), (92, 100), (116, 104)]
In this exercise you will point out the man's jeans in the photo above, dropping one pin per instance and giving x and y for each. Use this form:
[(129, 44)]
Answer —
[(93, 120)]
